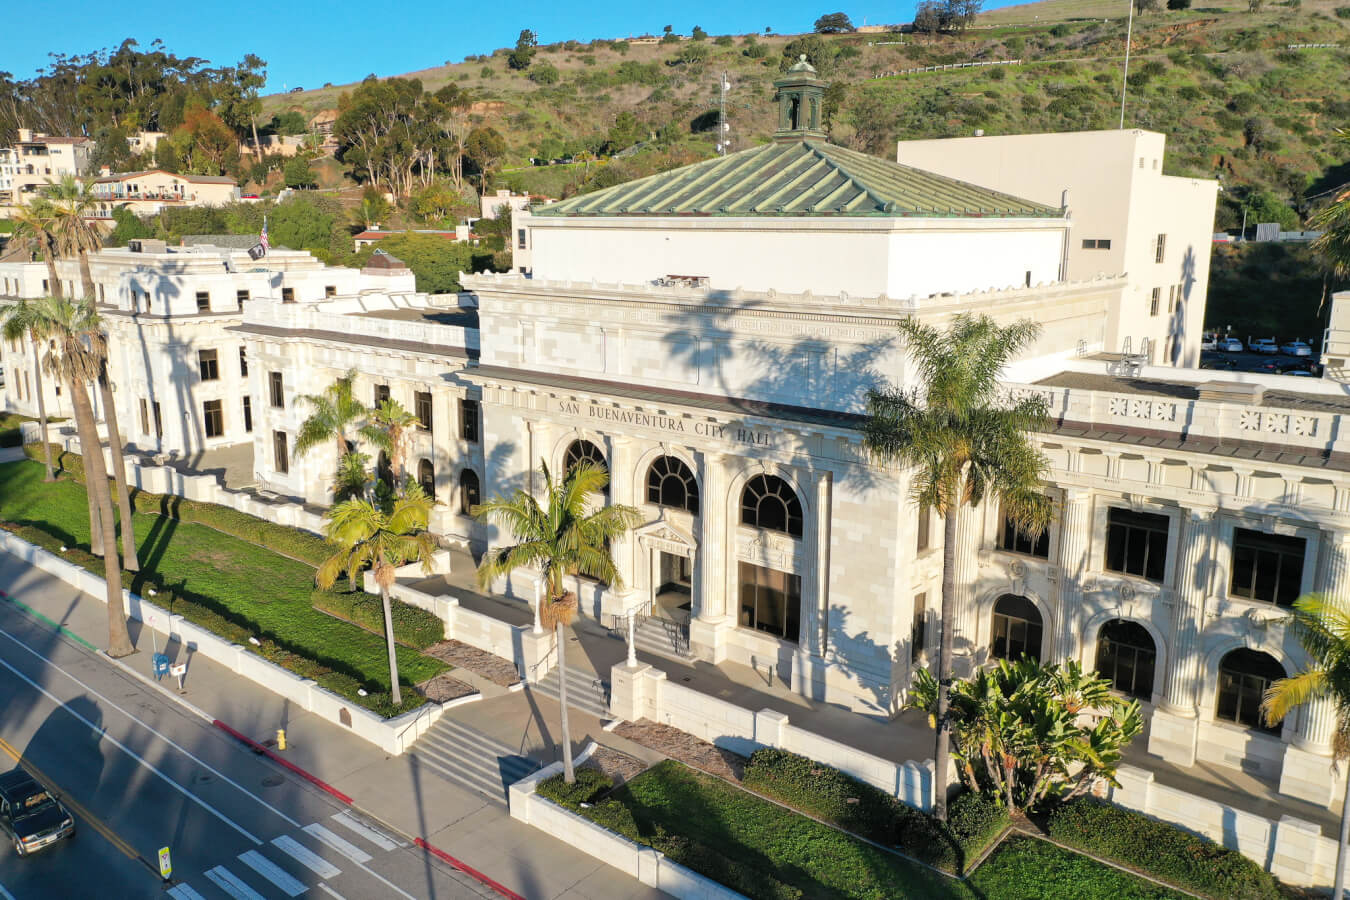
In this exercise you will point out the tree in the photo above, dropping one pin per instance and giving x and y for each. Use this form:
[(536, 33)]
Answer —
[(369, 537), (819, 52), (289, 122), (928, 17), (1322, 626), (204, 143), (1264, 206), (1018, 731), (566, 535), (434, 260), (70, 360), (435, 204), (334, 413), (297, 173), (485, 148), (1333, 220), (545, 74), (1254, 6), (22, 321), (521, 57), (834, 23), (128, 227), (962, 444), (1178, 4), (388, 428), (1142, 6), (698, 34)]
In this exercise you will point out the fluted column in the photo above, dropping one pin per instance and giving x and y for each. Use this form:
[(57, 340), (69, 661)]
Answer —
[(715, 530), (1075, 531), (1194, 574), (1319, 720), (621, 494), (816, 590), (966, 616)]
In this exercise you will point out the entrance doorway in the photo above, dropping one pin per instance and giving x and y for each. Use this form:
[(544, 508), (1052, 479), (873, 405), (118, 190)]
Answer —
[(673, 586)]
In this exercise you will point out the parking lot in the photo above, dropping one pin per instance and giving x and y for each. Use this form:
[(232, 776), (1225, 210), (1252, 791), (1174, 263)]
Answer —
[(1246, 361)]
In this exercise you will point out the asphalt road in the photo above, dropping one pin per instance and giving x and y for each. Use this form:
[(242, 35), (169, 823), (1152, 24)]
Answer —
[(140, 772)]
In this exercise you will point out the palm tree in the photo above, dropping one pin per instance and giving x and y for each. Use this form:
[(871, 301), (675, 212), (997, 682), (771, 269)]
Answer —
[(1333, 221), (71, 360), (98, 345), (34, 226), (73, 234), (567, 535), (351, 480), (388, 429), (1322, 626), (20, 322), (367, 536), (963, 445), (335, 411)]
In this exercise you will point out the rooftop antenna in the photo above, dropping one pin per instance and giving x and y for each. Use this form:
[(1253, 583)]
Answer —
[(722, 126), (1125, 77)]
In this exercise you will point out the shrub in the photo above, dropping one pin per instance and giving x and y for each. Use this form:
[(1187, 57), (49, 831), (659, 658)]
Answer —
[(1161, 850), (976, 820), (1343, 12), (413, 626), (545, 74)]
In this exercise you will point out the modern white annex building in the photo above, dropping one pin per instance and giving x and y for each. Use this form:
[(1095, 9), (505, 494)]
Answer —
[(710, 334)]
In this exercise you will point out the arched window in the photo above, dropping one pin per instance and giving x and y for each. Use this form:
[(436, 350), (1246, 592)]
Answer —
[(670, 483), (383, 470), (426, 477), (1244, 676), (1017, 628), (582, 451), (770, 502), (468, 491), (1127, 657)]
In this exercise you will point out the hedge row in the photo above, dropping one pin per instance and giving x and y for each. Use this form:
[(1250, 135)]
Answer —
[(975, 820), (612, 814), (1161, 850), (284, 539), (413, 626)]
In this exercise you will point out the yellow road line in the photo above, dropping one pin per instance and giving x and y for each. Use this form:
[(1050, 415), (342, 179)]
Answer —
[(76, 807)]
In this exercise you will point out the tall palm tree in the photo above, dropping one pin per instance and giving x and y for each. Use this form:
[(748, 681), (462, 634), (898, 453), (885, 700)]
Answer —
[(1333, 220), (963, 444), (367, 536), (73, 233), (335, 411), (20, 322), (388, 428), (71, 360), (34, 228), (1322, 626), (566, 535)]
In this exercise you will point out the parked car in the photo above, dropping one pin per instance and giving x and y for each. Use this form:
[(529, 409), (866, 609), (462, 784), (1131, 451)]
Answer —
[(1212, 360), (297, 90), (1295, 348), (1230, 345), (30, 815), (1209, 341), (1263, 345)]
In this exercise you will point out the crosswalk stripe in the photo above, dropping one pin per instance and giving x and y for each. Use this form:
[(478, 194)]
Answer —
[(341, 845), (369, 832), (183, 892), (272, 872), (306, 857), (226, 880), (330, 892)]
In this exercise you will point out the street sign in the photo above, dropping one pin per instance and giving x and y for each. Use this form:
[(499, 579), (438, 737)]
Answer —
[(165, 866)]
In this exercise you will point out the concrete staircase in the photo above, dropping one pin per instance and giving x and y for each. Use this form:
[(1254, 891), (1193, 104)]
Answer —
[(586, 692), (662, 636), (470, 759)]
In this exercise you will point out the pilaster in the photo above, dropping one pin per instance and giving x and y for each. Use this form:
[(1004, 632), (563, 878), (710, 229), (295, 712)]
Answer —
[(1075, 528), (965, 643), (711, 578), (621, 494), (815, 618)]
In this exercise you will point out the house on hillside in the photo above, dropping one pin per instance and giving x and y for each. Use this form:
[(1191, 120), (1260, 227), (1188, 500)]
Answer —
[(149, 191)]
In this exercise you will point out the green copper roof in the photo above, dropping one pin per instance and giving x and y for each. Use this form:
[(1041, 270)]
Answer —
[(797, 178)]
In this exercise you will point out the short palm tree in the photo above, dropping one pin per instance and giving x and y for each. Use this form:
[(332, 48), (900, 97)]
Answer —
[(71, 360), (352, 479), (21, 322), (388, 428), (565, 535), (963, 444), (1322, 626), (335, 411), (368, 537)]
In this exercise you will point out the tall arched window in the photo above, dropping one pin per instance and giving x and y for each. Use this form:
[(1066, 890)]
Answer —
[(1244, 676), (468, 491), (671, 483), (581, 451), (770, 502), (426, 477), (383, 470), (1127, 657), (1017, 628)]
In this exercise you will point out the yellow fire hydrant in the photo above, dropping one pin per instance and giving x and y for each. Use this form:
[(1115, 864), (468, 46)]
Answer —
[(281, 738)]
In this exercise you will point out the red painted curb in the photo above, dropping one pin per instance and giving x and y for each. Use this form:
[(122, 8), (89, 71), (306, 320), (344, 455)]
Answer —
[(467, 869), (259, 748)]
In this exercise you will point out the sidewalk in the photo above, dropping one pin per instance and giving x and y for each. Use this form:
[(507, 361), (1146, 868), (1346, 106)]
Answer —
[(395, 789)]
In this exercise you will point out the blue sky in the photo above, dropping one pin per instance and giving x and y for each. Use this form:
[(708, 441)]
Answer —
[(307, 44)]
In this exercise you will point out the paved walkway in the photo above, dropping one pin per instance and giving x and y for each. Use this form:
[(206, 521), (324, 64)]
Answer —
[(406, 795)]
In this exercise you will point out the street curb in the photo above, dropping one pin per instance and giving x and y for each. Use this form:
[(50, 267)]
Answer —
[(61, 629), (467, 869), (259, 748), (159, 688)]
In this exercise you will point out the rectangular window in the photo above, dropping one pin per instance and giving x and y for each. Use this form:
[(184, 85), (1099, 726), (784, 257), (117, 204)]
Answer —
[(918, 629), (422, 409), (925, 521), (1015, 540), (102, 294), (248, 414), (1097, 244), (770, 601), (208, 365), (1267, 567), (159, 422), (281, 460), (287, 295), (240, 297), (1136, 543), (243, 362), (381, 394), (1155, 300), (278, 394), (468, 420), (520, 238), (1160, 248), (213, 419), (203, 301), (145, 417), (330, 290)]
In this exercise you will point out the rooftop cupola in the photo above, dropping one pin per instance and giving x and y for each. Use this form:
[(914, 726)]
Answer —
[(800, 95)]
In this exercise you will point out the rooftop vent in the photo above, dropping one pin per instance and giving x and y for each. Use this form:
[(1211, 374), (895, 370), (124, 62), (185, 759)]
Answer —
[(147, 245), (1232, 392)]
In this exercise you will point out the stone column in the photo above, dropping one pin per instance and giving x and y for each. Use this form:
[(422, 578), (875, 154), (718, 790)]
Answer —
[(711, 580), (1174, 725), (621, 493), (966, 649), (1075, 533), (816, 592)]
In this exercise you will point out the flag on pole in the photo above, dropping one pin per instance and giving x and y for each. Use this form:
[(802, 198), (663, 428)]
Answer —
[(262, 238)]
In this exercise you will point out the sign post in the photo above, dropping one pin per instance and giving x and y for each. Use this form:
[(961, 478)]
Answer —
[(165, 865)]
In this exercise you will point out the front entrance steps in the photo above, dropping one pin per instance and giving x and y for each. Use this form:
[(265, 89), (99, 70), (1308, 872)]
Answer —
[(585, 691), (470, 759)]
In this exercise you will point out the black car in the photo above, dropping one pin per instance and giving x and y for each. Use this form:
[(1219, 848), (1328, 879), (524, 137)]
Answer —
[(30, 815)]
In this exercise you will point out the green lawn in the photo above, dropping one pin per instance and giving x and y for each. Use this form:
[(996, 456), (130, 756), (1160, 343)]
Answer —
[(1025, 868), (265, 593)]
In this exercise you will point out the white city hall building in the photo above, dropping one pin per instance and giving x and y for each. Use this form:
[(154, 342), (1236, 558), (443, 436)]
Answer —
[(710, 334)]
